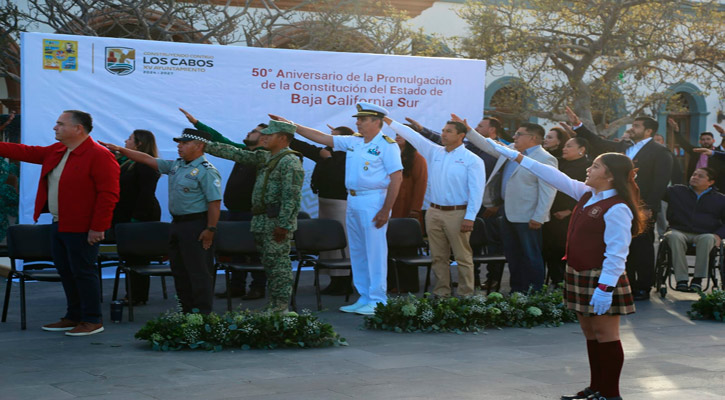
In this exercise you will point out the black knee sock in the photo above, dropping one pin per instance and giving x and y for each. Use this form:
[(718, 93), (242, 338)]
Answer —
[(594, 365), (611, 360)]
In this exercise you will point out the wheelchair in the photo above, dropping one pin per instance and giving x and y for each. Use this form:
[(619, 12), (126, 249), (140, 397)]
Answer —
[(664, 272)]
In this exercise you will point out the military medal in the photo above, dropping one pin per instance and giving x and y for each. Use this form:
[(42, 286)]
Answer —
[(366, 165)]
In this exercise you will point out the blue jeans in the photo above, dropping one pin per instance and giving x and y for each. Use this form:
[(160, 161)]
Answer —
[(522, 247), (75, 261)]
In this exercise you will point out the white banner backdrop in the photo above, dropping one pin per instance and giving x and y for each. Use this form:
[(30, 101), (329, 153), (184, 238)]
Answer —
[(136, 84)]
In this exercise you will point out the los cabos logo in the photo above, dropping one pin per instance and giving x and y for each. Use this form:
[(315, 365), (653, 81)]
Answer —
[(120, 60)]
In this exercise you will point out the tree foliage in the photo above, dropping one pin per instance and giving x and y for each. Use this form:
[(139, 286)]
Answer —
[(335, 25), (590, 53)]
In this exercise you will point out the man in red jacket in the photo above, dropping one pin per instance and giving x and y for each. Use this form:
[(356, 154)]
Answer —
[(79, 187)]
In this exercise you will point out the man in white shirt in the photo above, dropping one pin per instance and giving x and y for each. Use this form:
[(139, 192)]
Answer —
[(456, 177)]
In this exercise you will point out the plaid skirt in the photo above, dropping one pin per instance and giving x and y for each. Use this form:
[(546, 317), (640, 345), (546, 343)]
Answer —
[(580, 286)]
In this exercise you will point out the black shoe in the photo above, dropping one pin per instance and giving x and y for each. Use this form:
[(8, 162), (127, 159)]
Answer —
[(598, 396), (682, 286), (640, 295), (695, 285), (254, 294), (234, 292), (583, 394), (136, 303)]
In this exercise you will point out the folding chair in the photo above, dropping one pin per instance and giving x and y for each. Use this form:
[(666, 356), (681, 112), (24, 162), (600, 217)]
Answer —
[(139, 244), (405, 233), (234, 241), (30, 243), (312, 237)]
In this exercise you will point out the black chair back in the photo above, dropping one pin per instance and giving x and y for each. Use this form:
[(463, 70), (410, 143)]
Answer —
[(315, 235), (30, 243), (404, 233), (142, 240), (234, 238)]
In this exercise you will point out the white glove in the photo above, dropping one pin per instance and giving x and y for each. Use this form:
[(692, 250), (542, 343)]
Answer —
[(601, 301), (503, 150)]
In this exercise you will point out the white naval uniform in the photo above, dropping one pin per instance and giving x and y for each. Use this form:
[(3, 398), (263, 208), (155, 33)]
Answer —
[(367, 172)]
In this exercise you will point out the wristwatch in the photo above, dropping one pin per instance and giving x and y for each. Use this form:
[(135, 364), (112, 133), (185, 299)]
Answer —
[(211, 229), (605, 288)]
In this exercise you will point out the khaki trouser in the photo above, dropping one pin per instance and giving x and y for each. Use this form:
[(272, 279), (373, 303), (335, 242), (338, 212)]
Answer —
[(444, 234), (678, 242)]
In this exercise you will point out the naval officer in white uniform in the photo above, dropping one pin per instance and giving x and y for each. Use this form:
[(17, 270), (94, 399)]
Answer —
[(373, 174)]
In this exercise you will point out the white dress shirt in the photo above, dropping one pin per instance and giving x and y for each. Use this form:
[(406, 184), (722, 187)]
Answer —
[(455, 177), (617, 220), (632, 150)]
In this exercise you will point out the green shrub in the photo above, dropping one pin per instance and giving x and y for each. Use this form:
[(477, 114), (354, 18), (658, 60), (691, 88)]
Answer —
[(175, 330), (471, 314), (710, 306)]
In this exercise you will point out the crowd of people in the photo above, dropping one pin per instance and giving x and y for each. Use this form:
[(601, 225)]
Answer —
[(567, 201)]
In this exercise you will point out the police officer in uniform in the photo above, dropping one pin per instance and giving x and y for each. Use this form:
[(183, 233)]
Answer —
[(373, 174), (275, 204), (194, 202)]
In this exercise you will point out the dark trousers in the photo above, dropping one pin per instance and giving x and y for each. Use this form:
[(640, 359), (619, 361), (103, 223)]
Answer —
[(522, 247), (239, 279), (641, 259), (494, 270), (192, 266), (75, 261)]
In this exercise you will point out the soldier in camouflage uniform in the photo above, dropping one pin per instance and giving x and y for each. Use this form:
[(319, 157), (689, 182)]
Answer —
[(275, 204)]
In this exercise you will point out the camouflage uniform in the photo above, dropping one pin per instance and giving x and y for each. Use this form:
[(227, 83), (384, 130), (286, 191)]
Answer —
[(284, 188)]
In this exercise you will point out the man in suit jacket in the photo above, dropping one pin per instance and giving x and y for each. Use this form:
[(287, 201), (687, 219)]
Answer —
[(700, 160), (526, 203), (654, 165)]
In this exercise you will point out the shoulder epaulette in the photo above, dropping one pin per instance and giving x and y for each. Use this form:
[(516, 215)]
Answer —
[(388, 139), (357, 134), (207, 164)]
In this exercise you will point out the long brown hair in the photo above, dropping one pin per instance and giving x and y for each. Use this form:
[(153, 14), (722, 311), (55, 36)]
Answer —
[(145, 142), (622, 170)]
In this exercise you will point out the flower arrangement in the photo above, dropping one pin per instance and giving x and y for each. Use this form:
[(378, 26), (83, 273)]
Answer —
[(710, 306), (471, 314), (175, 330)]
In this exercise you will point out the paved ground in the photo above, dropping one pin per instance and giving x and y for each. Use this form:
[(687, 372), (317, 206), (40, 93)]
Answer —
[(667, 357)]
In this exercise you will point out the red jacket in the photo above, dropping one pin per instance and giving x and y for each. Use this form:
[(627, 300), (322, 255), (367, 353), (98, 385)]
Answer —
[(88, 189)]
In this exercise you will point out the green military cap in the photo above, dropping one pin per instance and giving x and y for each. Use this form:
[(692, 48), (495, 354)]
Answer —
[(278, 127)]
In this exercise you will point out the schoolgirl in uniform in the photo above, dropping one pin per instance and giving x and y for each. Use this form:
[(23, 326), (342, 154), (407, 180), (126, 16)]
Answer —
[(607, 215)]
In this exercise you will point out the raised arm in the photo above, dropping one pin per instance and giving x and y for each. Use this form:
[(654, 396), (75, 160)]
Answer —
[(547, 173), (229, 152), (423, 145), (309, 133), (215, 136), (138, 156)]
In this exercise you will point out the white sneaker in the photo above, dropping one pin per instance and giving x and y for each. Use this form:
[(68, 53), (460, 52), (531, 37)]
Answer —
[(367, 309), (352, 307)]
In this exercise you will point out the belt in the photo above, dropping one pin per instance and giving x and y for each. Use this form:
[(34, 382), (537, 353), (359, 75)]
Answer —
[(188, 217), (364, 191), (448, 208)]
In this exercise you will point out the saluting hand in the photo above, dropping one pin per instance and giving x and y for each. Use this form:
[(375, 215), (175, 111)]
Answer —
[(416, 126), (110, 146), (189, 116), (573, 118), (703, 150)]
